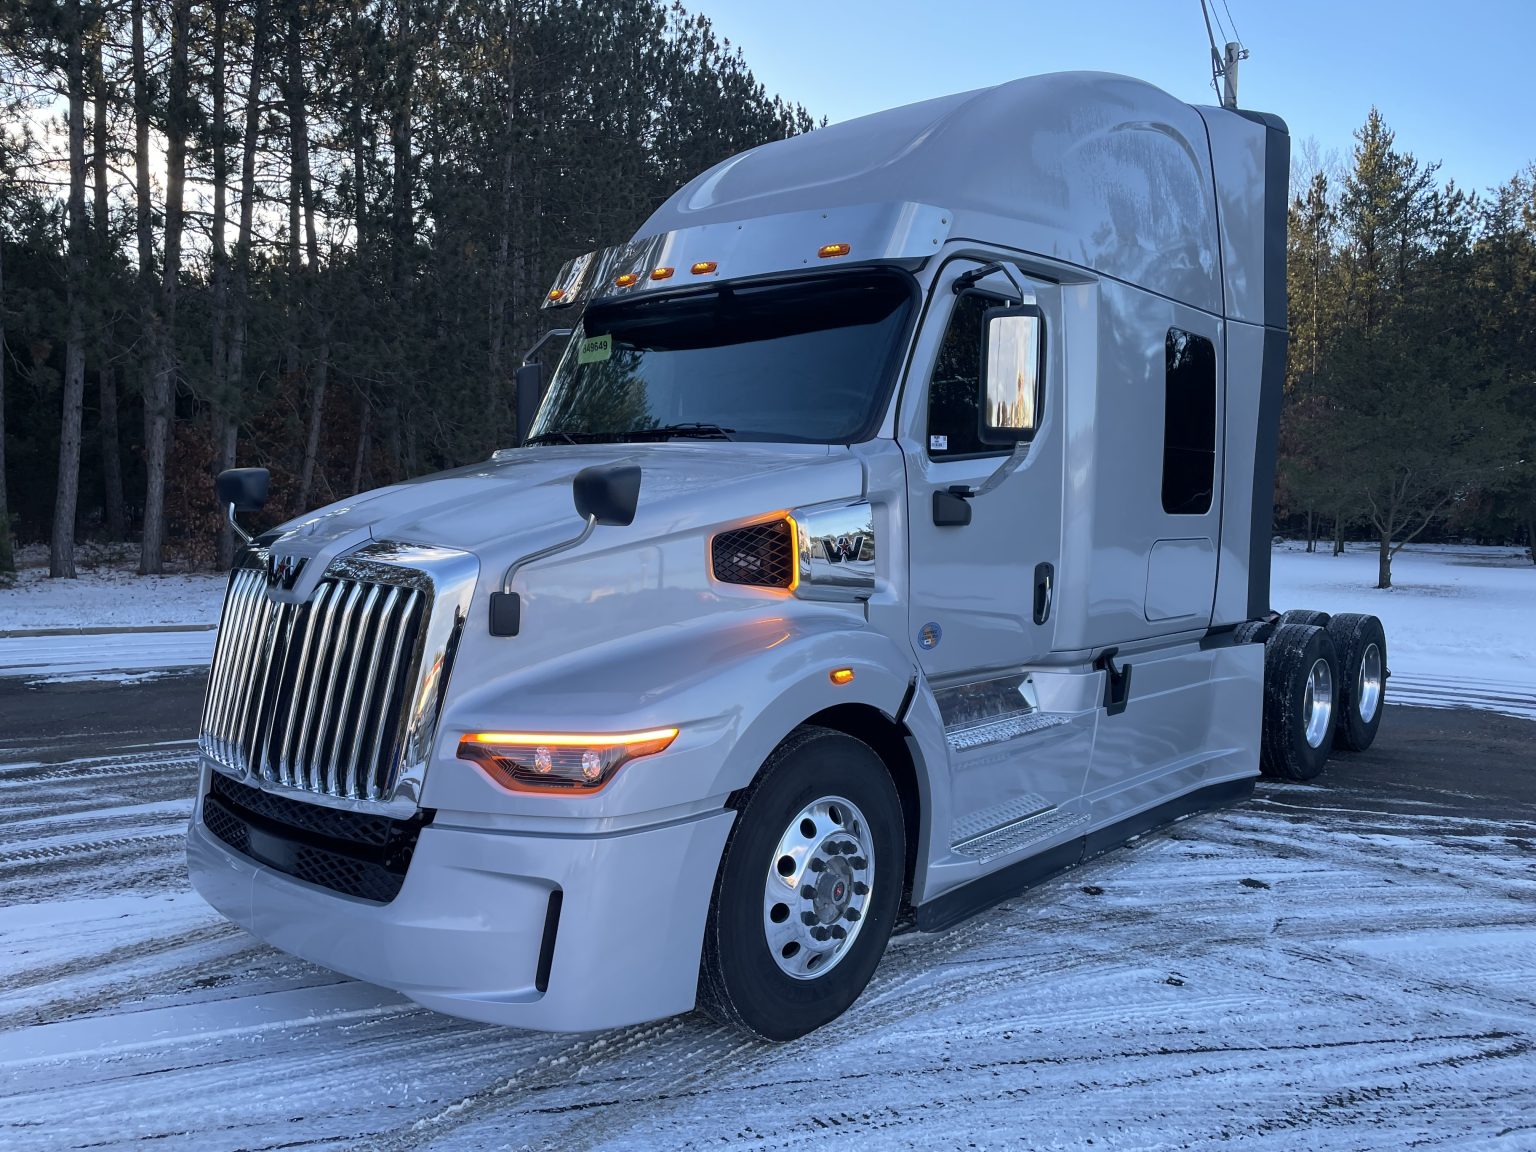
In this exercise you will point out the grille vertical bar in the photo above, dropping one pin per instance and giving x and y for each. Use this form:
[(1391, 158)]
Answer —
[(313, 695)]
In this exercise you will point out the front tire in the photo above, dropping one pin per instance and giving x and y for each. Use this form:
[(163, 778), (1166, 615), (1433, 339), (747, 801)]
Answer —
[(808, 890)]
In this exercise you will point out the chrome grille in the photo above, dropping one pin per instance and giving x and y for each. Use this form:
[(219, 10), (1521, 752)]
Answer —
[(313, 695)]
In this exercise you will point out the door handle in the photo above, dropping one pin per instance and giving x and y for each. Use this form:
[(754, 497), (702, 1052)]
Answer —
[(1045, 586)]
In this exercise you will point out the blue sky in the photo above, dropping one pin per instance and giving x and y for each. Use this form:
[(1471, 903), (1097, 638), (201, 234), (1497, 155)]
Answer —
[(1456, 81)]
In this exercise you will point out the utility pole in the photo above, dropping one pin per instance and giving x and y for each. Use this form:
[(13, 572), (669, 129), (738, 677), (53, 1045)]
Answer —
[(1234, 53)]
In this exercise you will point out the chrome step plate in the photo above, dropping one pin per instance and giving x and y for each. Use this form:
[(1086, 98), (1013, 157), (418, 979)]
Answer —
[(1003, 728)]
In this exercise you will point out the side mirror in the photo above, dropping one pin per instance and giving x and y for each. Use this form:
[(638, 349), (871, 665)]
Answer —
[(242, 490), (608, 493), (530, 390), (245, 488), (529, 379), (1013, 357)]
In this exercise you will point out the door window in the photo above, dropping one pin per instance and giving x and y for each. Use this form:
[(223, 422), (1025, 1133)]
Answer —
[(1189, 424), (954, 420)]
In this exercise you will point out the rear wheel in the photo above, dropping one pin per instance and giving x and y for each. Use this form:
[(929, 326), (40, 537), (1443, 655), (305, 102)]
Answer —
[(1253, 631), (808, 890), (1300, 702), (1305, 616), (1362, 646)]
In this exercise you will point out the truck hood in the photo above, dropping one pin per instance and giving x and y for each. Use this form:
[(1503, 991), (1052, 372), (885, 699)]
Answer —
[(520, 499)]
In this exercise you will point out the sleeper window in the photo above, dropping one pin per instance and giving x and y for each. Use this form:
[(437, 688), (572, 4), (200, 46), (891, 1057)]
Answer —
[(954, 421), (1189, 424)]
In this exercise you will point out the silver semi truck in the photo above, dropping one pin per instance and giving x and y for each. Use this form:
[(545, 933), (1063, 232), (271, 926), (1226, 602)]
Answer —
[(893, 532)]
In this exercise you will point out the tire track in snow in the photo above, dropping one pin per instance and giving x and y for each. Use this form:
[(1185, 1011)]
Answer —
[(1505, 697)]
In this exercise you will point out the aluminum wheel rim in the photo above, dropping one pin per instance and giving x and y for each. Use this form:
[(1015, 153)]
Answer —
[(817, 892), (1317, 703), (1371, 682)]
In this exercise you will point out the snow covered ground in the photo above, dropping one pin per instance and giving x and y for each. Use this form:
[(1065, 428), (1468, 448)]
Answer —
[(108, 594), (1460, 621), (1315, 969)]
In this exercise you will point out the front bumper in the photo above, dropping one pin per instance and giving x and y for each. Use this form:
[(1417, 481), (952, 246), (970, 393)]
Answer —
[(465, 934)]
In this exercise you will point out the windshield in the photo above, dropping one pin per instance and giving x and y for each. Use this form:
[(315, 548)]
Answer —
[(810, 361)]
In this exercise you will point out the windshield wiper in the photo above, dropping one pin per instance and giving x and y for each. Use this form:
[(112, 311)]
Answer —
[(568, 438), (663, 432), (692, 431)]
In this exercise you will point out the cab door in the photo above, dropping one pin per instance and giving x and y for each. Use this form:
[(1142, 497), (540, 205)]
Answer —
[(985, 525), (982, 593)]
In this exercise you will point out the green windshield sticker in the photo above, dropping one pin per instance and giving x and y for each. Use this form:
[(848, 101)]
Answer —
[(595, 350)]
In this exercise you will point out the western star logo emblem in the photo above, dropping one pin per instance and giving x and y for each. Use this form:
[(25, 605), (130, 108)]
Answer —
[(283, 571)]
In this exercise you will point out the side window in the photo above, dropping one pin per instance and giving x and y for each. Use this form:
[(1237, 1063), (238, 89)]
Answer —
[(954, 423), (1189, 424)]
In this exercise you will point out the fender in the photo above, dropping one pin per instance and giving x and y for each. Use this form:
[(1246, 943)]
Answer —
[(733, 684)]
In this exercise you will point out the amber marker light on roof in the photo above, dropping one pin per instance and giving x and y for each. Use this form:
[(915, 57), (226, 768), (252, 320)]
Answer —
[(559, 761), (842, 675), (827, 250), (556, 294), (662, 273), (627, 279), (704, 267)]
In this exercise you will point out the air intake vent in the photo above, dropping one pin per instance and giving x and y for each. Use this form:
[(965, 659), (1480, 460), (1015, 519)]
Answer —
[(763, 554)]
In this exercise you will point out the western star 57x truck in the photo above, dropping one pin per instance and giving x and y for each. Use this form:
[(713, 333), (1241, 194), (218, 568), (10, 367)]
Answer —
[(893, 532)]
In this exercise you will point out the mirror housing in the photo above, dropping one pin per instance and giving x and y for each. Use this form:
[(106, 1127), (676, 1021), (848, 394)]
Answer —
[(1013, 371), (530, 390), (243, 488), (529, 379), (607, 493)]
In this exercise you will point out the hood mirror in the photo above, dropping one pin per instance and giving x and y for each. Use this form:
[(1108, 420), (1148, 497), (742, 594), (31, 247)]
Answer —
[(607, 494), (242, 490)]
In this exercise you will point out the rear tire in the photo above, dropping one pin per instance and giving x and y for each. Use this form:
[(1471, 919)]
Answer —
[(1253, 632), (1362, 646), (1301, 673), (1305, 616), (820, 835)]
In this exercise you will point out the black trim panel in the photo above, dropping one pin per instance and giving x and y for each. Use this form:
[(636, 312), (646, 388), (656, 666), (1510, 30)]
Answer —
[(961, 903), (356, 854), (1266, 446), (547, 944)]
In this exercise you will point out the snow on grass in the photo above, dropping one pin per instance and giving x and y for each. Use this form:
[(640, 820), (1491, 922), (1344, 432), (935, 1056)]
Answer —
[(1460, 621), (109, 593)]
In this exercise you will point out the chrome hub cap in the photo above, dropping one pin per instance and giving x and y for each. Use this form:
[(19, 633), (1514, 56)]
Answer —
[(818, 887), (1317, 703), (1371, 682)]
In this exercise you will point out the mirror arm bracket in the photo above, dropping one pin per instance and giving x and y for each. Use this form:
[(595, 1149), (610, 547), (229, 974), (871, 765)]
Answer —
[(545, 554), (967, 280), (506, 605), (229, 511)]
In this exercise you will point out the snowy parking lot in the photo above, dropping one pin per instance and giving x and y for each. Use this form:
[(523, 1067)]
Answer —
[(1344, 964)]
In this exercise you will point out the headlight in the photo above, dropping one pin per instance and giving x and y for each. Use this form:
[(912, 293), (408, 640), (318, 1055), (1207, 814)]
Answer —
[(559, 761)]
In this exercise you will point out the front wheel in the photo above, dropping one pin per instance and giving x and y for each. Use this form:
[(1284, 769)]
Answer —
[(808, 890)]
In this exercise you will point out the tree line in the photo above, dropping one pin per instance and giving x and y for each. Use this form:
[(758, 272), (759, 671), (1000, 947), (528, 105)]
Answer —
[(1411, 392), (313, 235), (310, 234)]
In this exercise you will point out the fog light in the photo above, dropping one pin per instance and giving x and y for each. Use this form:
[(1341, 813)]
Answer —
[(558, 762)]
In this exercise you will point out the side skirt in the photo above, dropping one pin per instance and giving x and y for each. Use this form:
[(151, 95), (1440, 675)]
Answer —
[(961, 903)]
